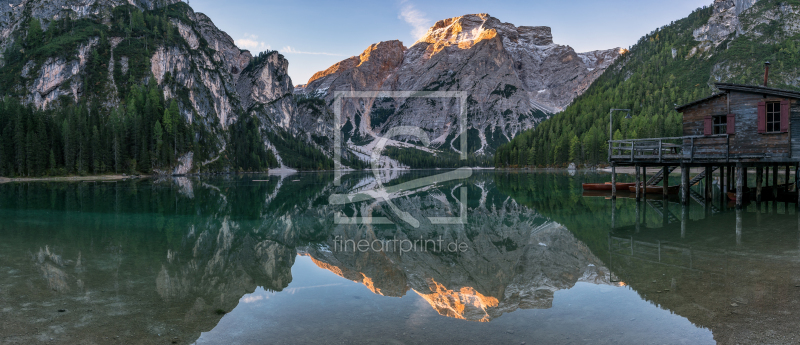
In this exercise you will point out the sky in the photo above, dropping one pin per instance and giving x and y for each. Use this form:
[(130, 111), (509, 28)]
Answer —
[(315, 34)]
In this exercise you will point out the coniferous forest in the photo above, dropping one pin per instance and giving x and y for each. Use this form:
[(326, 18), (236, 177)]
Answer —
[(144, 132)]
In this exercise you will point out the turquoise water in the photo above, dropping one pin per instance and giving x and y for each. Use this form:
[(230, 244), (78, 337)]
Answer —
[(252, 259)]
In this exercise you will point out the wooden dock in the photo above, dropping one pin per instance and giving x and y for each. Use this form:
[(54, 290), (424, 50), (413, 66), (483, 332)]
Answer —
[(739, 128)]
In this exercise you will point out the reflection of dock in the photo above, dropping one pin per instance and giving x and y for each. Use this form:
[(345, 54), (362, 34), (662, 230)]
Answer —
[(667, 254)]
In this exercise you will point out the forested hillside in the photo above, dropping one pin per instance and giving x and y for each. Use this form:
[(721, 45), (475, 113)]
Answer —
[(137, 90), (665, 68)]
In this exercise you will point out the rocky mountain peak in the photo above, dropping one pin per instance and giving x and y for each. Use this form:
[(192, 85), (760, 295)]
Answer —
[(467, 30), (513, 75), (378, 57), (724, 21)]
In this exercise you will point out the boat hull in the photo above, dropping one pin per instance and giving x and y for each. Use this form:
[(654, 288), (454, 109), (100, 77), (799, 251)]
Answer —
[(658, 189), (607, 186)]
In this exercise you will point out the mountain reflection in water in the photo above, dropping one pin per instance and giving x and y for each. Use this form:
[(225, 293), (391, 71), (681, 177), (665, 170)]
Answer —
[(243, 259)]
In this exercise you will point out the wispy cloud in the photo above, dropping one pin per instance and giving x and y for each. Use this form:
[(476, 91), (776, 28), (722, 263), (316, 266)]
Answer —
[(414, 17), (251, 42), (290, 50)]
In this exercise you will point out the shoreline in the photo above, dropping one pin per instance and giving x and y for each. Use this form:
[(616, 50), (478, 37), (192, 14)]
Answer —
[(69, 178)]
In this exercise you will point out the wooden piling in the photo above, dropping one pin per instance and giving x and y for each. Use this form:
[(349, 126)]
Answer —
[(775, 175), (638, 185), (684, 185), (708, 192), (775, 182), (739, 182), (738, 226), (613, 213), (644, 182), (666, 181), (759, 178), (613, 181), (787, 171), (722, 184), (797, 185), (684, 219), (731, 180)]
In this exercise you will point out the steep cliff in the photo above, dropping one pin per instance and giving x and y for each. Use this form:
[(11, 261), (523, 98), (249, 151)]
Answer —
[(512, 78)]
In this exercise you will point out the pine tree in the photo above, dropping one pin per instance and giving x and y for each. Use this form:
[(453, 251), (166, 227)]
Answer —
[(35, 33), (30, 151), (52, 162), (158, 137), (69, 155), (19, 143), (96, 156)]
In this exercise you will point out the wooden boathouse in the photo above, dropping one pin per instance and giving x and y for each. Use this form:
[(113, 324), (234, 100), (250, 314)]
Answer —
[(738, 128)]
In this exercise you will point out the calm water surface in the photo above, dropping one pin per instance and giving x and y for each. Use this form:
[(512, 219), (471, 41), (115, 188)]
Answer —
[(264, 259)]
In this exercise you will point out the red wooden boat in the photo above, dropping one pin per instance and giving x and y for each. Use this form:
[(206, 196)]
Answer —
[(658, 189), (607, 186)]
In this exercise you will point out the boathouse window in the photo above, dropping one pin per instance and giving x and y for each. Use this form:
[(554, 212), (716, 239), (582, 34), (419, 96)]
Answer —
[(773, 117), (720, 124)]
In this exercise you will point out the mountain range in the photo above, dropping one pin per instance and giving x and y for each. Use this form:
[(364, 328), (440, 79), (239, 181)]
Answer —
[(513, 78), (152, 86)]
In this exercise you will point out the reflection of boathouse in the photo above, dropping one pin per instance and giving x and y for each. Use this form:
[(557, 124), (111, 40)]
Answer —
[(744, 285)]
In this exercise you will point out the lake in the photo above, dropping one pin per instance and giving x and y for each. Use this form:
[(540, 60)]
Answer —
[(395, 257)]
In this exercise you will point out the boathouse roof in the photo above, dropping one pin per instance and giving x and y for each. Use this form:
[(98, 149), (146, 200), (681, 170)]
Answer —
[(742, 88)]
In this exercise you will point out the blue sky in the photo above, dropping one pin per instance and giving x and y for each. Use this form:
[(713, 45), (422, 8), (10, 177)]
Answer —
[(315, 34)]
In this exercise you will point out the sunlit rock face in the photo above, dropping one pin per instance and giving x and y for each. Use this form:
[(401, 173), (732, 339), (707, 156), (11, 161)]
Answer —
[(507, 72), (514, 258)]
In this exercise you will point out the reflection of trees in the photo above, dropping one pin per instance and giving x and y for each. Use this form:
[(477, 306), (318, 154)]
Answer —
[(743, 289), (166, 254)]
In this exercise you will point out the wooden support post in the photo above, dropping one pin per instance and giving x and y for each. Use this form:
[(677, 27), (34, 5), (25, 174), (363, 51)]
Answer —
[(775, 182), (666, 181), (739, 182), (684, 184), (638, 185), (738, 226), (613, 181), (644, 214), (684, 219), (722, 184), (788, 172), (644, 182), (613, 213), (708, 192), (775, 176), (759, 179), (797, 184), (638, 214)]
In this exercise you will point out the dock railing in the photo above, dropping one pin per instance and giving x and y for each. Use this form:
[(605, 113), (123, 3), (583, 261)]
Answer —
[(658, 150)]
